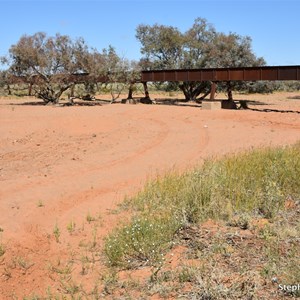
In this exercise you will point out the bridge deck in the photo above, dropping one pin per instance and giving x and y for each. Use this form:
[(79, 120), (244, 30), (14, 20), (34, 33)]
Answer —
[(224, 74)]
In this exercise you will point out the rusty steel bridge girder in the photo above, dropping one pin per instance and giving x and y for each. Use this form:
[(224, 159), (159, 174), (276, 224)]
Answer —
[(214, 75), (271, 73)]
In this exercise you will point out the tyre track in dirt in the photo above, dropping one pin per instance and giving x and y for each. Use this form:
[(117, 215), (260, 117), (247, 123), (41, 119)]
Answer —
[(81, 197), (93, 173), (100, 166), (33, 241), (166, 137)]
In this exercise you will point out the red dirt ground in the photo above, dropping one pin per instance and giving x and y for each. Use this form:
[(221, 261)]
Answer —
[(58, 164)]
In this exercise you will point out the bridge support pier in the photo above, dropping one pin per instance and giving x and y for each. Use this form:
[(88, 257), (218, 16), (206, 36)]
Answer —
[(213, 89), (146, 99), (146, 90)]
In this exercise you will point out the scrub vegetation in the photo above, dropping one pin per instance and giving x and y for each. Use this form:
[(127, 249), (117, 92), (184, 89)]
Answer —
[(256, 193)]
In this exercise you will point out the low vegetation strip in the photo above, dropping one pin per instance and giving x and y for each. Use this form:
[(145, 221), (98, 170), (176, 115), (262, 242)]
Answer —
[(253, 184)]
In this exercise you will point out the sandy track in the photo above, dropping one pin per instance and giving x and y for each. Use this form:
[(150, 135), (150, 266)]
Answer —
[(76, 160)]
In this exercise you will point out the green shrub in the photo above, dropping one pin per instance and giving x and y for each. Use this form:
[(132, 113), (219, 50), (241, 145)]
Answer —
[(255, 182)]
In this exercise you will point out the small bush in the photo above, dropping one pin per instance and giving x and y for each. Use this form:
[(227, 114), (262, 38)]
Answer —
[(142, 242), (2, 249), (256, 182)]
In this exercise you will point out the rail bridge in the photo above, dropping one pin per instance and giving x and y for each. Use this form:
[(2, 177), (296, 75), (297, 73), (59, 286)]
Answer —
[(215, 75), (212, 75)]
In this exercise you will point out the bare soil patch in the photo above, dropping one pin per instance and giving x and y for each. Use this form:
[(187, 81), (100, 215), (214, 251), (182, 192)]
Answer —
[(63, 170)]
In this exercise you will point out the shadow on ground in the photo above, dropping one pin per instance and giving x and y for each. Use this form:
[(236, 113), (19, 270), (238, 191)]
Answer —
[(294, 97), (62, 104), (245, 105), (177, 102)]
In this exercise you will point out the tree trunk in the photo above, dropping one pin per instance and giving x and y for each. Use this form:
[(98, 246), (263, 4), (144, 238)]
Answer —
[(229, 91), (192, 90), (72, 91), (60, 92), (30, 89), (204, 96), (130, 91), (9, 90), (147, 96), (49, 95), (185, 92)]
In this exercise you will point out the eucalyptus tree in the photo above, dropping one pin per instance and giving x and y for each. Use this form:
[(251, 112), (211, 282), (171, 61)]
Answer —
[(201, 46), (115, 72), (49, 63)]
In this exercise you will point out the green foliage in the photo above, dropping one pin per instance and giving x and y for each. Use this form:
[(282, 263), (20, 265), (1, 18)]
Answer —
[(201, 46), (271, 86), (4, 83), (2, 249), (48, 62), (257, 182), (142, 242), (56, 232), (90, 218), (161, 45), (50, 65), (71, 226)]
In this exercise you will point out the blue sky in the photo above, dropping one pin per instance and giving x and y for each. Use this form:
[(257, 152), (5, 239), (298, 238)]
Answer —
[(272, 24)]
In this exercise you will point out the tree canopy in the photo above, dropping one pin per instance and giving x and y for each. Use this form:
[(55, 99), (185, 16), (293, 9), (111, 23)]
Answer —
[(201, 46), (48, 63)]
